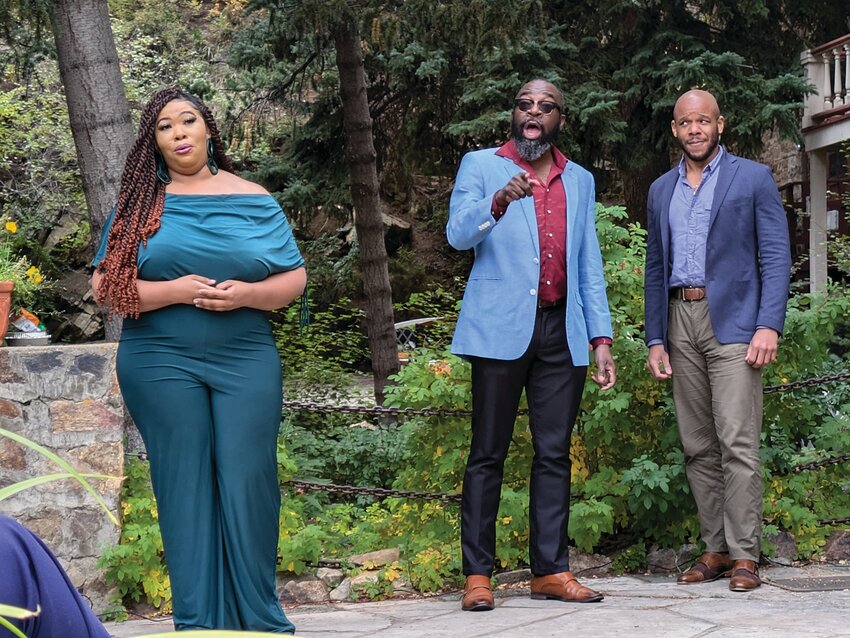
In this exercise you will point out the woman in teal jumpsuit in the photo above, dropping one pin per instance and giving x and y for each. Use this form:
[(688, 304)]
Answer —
[(192, 263)]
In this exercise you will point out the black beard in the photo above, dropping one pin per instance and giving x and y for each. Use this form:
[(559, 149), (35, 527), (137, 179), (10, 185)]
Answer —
[(713, 141), (530, 150)]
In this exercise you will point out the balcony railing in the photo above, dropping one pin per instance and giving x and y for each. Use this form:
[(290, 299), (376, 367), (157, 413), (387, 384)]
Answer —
[(828, 69)]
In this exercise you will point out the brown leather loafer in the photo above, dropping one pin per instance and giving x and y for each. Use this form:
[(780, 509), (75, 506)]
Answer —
[(745, 576), (709, 567), (477, 594), (563, 587)]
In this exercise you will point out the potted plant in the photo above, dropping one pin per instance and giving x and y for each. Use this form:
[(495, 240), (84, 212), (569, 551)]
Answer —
[(19, 280)]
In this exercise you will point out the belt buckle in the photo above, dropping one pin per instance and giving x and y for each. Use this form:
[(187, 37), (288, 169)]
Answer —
[(698, 293)]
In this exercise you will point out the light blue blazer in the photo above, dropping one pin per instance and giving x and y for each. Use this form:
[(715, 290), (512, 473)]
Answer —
[(499, 306)]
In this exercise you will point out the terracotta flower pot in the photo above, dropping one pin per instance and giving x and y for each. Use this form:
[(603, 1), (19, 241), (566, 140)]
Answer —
[(6, 288)]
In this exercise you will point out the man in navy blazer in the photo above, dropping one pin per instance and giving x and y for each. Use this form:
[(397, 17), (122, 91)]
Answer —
[(717, 274), (534, 303)]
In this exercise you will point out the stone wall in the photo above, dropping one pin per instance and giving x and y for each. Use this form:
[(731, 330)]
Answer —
[(65, 398), (784, 158)]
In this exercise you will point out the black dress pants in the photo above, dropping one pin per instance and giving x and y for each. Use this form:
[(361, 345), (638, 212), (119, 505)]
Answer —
[(553, 388)]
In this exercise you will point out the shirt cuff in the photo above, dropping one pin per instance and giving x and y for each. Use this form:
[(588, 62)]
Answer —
[(654, 342), (497, 211), (601, 341)]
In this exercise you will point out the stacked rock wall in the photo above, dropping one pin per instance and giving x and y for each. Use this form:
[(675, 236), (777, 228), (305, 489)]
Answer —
[(66, 399)]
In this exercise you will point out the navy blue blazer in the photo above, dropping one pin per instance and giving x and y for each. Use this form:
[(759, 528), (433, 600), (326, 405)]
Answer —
[(747, 255)]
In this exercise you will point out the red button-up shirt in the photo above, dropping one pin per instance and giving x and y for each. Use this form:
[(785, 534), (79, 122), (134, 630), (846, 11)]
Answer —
[(550, 208)]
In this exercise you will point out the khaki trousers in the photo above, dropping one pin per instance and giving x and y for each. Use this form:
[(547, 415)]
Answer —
[(718, 399)]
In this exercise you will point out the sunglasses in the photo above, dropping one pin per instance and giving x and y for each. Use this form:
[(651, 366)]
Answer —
[(545, 107)]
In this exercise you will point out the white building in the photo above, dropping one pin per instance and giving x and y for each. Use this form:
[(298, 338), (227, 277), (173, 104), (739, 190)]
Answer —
[(826, 125)]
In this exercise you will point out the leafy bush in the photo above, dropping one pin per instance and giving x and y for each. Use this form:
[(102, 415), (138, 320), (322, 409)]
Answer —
[(331, 343), (136, 566)]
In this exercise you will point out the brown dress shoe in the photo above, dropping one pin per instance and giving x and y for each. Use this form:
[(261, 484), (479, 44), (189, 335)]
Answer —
[(745, 576), (477, 595), (563, 587), (710, 566)]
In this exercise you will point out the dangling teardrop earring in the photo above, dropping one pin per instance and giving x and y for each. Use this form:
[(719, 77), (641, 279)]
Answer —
[(161, 169), (211, 157)]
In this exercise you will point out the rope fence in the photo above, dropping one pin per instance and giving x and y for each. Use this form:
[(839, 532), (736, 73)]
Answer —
[(298, 405), (381, 411), (381, 493)]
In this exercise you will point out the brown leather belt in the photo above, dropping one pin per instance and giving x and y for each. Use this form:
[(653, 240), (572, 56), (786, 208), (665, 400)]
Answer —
[(547, 305), (689, 293)]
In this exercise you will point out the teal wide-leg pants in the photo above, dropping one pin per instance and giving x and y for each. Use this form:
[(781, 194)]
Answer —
[(207, 402)]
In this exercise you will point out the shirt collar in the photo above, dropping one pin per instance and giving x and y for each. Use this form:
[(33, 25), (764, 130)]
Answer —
[(709, 168)]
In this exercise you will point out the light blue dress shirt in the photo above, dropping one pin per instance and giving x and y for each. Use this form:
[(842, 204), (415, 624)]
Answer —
[(690, 214)]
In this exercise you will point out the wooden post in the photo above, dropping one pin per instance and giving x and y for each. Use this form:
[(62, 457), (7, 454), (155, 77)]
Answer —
[(817, 221)]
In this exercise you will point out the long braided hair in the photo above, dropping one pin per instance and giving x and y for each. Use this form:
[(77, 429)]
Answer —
[(140, 203)]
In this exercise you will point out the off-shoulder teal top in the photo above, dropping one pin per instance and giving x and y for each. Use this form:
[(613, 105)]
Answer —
[(236, 236)]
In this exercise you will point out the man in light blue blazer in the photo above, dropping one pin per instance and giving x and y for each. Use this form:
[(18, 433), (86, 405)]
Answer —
[(717, 274), (534, 304)]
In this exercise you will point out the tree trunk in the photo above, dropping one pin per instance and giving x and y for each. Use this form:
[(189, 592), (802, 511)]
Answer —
[(97, 106), (636, 182), (360, 157)]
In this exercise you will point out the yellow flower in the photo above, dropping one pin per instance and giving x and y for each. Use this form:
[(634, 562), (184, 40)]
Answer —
[(12, 227), (506, 520), (34, 275)]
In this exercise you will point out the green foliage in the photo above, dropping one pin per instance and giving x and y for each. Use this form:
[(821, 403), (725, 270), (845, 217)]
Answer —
[(636, 477), (6, 611), (632, 559), (807, 424), (304, 545), (379, 589), (347, 450), (161, 44), (38, 186), (442, 302), (15, 268), (136, 566), (37, 159), (333, 341), (440, 78), (69, 472)]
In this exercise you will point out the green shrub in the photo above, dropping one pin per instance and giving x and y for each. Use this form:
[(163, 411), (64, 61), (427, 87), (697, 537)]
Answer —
[(632, 559), (136, 566)]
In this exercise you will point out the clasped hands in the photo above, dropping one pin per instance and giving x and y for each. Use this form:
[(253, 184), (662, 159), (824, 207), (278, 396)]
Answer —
[(207, 294)]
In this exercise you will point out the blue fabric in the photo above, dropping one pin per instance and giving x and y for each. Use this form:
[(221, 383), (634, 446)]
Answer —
[(104, 240), (31, 577), (239, 236), (205, 390), (690, 212), (500, 302), (747, 259)]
